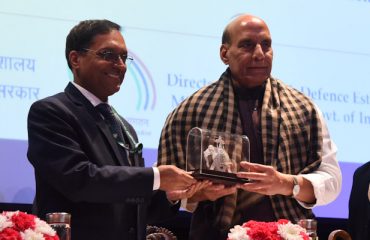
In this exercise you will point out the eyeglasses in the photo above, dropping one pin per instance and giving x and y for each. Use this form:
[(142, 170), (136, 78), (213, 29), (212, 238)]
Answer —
[(111, 56)]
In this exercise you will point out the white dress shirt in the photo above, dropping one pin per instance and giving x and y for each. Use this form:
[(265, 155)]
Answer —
[(327, 179)]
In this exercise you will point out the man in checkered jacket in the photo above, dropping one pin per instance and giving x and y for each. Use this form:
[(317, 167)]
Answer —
[(293, 164)]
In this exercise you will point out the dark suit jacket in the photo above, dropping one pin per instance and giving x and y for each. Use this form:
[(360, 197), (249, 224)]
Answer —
[(79, 169), (359, 205)]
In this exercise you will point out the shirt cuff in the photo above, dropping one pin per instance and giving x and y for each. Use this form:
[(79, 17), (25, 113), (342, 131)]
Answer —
[(318, 188), (173, 202), (157, 179), (190, 207)]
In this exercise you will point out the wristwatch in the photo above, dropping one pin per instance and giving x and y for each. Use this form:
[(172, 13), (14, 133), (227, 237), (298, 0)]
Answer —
[(296, 187)]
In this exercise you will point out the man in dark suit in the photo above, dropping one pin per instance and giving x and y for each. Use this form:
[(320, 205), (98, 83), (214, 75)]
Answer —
[(359, 204), (85, 164)]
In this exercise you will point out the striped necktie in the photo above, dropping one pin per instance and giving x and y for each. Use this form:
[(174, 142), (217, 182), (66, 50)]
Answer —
[(112, 120)]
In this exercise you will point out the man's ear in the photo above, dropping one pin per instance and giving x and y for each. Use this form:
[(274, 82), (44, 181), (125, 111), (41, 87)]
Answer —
[(223, 54), (74, 59)]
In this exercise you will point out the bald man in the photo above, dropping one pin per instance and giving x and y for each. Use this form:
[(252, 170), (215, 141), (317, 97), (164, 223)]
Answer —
[(293, 160)]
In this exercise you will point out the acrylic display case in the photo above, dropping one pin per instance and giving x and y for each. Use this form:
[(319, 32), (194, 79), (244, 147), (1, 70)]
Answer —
[(216, 155)]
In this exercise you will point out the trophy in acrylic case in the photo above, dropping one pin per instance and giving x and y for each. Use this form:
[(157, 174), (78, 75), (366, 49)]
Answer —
[(216, 155)]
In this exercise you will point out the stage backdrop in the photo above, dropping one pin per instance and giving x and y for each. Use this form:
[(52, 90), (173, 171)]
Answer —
[(320, 47)]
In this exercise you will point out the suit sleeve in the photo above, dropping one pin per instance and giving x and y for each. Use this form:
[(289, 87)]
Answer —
[(160, 209), (69, 155)]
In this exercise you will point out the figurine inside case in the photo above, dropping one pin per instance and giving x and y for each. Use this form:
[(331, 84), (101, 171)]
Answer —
[(216, 155)]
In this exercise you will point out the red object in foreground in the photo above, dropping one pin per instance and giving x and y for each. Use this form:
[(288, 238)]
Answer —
[(20, 225), (280, 230)]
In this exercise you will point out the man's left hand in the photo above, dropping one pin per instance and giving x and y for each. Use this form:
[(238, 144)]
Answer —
[(265, 180)]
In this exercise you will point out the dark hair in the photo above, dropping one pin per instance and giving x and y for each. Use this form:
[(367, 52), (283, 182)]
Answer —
[(226, 38), (83, 33)]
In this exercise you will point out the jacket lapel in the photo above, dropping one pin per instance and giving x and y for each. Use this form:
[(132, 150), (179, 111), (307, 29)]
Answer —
[(115, 147), (85, 105)]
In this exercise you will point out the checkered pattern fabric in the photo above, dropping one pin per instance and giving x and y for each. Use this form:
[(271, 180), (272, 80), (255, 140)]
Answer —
[(291, 137)]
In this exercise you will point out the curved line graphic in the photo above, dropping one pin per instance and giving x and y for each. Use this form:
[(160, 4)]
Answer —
[(145, 85), (154, 100), (138, 104)]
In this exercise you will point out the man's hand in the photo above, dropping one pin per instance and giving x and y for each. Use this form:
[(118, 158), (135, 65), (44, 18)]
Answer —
[(265, 180), (187, 193), (173, 178), (268, 181), (212, 193)]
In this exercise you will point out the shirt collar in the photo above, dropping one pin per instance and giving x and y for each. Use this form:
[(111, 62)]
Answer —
[(91, 97)]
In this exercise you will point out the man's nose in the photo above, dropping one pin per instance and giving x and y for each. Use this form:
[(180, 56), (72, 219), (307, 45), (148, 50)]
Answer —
[(258, 53), (120, 68), (121, 62)]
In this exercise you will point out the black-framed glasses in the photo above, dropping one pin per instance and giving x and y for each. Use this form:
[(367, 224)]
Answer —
[(110, 56)]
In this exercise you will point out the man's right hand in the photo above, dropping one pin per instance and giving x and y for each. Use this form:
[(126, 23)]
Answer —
[(173, 178), (187, 193)]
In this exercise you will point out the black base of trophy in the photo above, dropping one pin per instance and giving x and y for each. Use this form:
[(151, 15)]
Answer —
[(225, 178)]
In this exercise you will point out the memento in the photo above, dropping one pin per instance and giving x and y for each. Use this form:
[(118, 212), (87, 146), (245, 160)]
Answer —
[(216, 155)]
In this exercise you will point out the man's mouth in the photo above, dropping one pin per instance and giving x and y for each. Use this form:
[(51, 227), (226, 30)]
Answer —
[(114, 75), (257, 69)]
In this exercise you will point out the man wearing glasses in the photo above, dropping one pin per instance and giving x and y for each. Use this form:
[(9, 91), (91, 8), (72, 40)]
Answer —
[(86, 157)]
